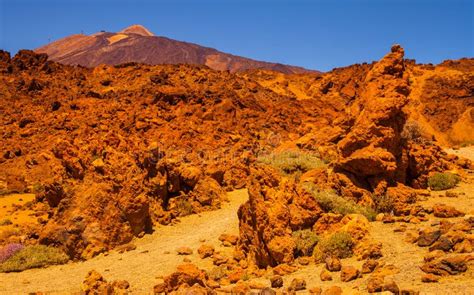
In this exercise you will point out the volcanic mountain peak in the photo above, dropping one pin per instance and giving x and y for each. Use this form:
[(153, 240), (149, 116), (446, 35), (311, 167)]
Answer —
[(137, 44), (137, 29)]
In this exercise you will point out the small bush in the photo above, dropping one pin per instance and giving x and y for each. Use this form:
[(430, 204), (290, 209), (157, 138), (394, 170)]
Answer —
[(293, 163), (7, 251), (33, 257), (338, 245), (38, 188), (331, 202), (305, 241), (443, 181), (246, 276), (184, 207), (412, 131), (383, 204), (467, 143), (5, 222)]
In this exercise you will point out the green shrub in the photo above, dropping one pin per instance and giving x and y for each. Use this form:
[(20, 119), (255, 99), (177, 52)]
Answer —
[(383, 204), (38, 188), (338, 245), (246, 276), (305, 241), (5, 222), (467, 143), (184, 207), (33, 257), (331, 202), (443, 181), (293, 163)]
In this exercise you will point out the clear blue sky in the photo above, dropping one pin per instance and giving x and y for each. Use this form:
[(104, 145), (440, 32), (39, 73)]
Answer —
[(314, 34)]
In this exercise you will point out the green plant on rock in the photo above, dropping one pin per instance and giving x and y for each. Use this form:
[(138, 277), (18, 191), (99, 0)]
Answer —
[(38, 188), (305, 241), (34, 257), (184, 207), (338, 245), (5, 221), (332, 202), (443, 181), (383, 204), (293, 163)]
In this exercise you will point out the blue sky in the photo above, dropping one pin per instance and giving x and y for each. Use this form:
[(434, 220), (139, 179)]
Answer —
[(314, 34)]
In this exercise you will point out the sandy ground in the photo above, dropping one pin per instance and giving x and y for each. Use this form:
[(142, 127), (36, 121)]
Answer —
[(141, 267)]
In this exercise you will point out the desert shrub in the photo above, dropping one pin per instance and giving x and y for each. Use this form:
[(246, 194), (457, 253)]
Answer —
[(338, 245), (412, 131), (33, 257), (7, 251), (184, 207), (331, 202), (246, 276), (305, 241), (467, 143), (5, 221), (37, 188), (443, 181), (293, 163), (383, 204)]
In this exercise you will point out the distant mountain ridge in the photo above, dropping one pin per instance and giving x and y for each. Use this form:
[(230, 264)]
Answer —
[(137, 44)]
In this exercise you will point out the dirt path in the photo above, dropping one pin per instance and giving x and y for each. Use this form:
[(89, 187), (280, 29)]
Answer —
[(141, 267)]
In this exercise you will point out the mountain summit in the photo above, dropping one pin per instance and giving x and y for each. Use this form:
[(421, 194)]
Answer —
[(137, 44), (137, 29)]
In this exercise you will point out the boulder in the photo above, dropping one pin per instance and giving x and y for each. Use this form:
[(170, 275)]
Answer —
[(428, 236), (185, 275), (276, 281), (349, 273), (333, 290), (205, 251), (184, 250), (446, 211), (333, 264), (369, 266), (94, 283), (297, 284), (325, 275), (450, 265)]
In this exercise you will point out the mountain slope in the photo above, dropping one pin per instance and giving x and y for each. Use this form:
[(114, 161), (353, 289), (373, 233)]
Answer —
[(137, 44)]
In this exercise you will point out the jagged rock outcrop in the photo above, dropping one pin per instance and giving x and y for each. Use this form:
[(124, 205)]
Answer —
[(374, 158), (115, 150), (371, 152), (275, 208), (374, 151)]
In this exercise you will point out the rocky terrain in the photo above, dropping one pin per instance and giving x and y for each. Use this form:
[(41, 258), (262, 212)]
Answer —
[(350, 188), (138, 44)]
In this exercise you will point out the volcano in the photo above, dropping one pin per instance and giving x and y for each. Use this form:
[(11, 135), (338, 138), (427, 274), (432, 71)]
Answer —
[(138, 44)]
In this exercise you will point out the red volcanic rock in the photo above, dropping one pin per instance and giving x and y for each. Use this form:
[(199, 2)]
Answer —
[(186, 275), (371, 150), (265, 230), (94, 283), (118, 150), (445, 211), (450, 265)]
